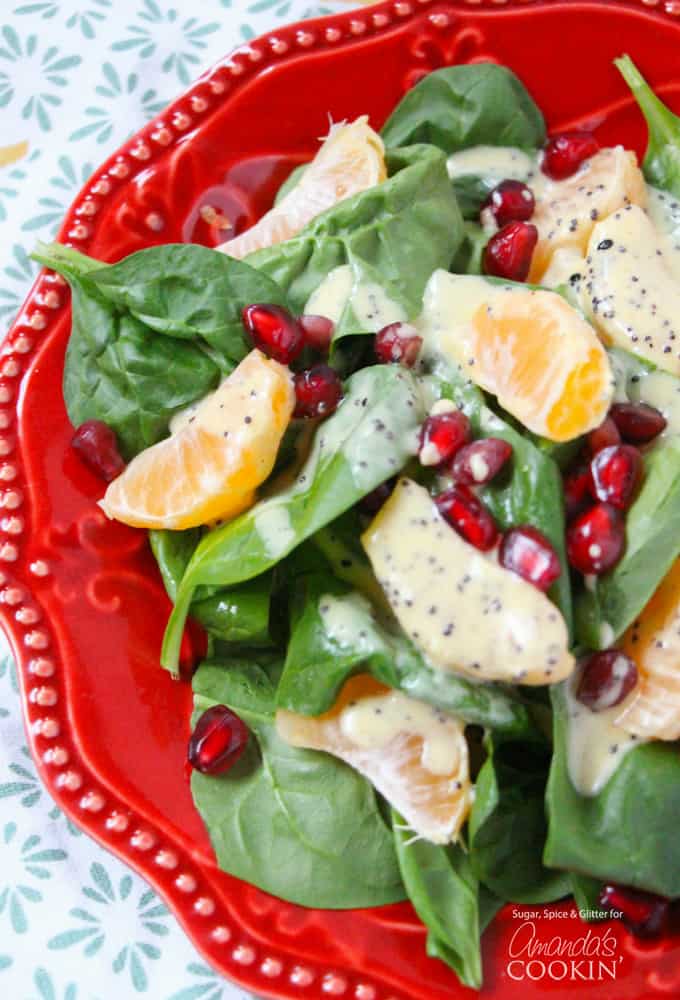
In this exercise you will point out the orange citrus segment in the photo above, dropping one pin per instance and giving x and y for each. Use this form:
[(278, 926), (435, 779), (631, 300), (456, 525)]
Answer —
[(216, 456), (350, 160), (652, 711), (567, 210), (529, 348), (416, 756)]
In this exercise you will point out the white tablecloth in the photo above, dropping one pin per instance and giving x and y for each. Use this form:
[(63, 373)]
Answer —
[(76, 78)]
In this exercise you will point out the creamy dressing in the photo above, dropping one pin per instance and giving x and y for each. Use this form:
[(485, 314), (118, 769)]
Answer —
[(595, 743), (274, 529), (371, 305), (664, 211), (465, 612), (566, 268), (662, 391), (374, 722), (332, 295), (476, 323), (363, 450), (630, 289), (347, 620), (492, 163)]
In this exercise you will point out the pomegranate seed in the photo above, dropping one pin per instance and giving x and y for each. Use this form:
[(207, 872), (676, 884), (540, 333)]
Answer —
[(479, 462), (442, 436), (526, 551), (606, 678), (193, 649), (374, 500), (97, 446), (638, 422), (468, 515), (317, 392), (510, 201), (508, 252), (218, 740), (642, 913), (604, 436), (577, 494), (398, 343), (563, 154), (318, 331), (615, 472), (274, 331), (595, 540)]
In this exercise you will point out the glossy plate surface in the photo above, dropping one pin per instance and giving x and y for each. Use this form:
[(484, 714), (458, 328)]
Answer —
[(80, 598)]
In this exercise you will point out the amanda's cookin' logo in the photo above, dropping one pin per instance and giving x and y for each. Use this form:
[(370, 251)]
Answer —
[(591, 957)]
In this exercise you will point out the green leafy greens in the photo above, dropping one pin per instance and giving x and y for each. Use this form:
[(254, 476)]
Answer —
[(469, 105), (392, 236), (368, 439), (152, 334), (297, 823)]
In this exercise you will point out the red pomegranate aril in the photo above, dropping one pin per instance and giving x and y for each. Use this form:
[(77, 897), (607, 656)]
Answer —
[(373, 501), (467, 514), (193, 649), (563, 154), (218, 740), (644, 914), (442, 436), (615, 473), (526, 551), (274, 331), (638, 423), (596, 539), (508, 252), (510, 201), (477, 463), (97, 445), (577, 495), (318, 331), (604, 436), (606, 679), (398, 343), (318, 391)]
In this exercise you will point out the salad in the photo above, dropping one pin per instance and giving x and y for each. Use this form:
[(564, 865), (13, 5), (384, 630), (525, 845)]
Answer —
[(408, 453)]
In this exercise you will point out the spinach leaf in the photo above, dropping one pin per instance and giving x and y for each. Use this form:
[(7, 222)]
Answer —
[(369, 438), (445, 894), (532, 491), (652, 545), (172, 551), (335, 634), (661, 165), (468, 259), (627, 832), (236, 615), (297, 823), (586, 892), (182, 290), (508, 825), (119, 371), (467, 105), (392, 236)]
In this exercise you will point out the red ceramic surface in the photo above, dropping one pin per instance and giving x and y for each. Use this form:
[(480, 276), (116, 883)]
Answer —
[(80, 597)]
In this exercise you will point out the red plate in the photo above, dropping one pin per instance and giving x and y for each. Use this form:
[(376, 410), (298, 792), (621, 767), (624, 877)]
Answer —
[(80, 597)]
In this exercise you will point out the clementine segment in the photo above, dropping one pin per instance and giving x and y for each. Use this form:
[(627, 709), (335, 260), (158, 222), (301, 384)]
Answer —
[(543, 362), (567, 210), (350, 160), (415, 755), (653, 643), (217, 454)]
